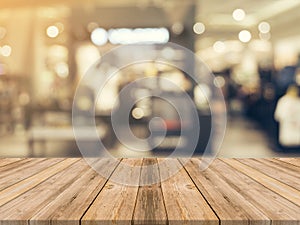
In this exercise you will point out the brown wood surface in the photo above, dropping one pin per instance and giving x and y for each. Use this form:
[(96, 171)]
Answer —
[(230, 192), (182, 199), (229, 204), (6, 161), (69, 206), (277, 208), (115, 204), (293, 161), (150, 207)]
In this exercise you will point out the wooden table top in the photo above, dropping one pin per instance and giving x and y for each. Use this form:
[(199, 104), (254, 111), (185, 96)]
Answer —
[(231, 191)]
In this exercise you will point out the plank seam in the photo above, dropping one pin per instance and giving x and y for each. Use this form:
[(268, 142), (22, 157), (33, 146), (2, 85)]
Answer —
[(269, 175), (282, 164), (137, 193), (92, 202), (221, 176), (11, 162), (200, 191), (31, 174), (163, 197), (21, 162), (263, 184), (37, 183), (288, 163), (62, 187)]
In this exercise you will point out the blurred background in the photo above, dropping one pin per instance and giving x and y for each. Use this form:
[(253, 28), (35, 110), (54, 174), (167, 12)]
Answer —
[(47, 46)]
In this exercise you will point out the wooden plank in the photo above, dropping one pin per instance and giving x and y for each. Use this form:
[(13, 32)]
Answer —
[(18, 164), (277, 208), (22, 208), (6, 161), (19, 188), (69, 206), (184, 203), (283, 174), (293, 161), (150, 207), (284, 190), (10, 177), (282, 165), (243, 191), (288, 167), (116, 202), (230, 206)]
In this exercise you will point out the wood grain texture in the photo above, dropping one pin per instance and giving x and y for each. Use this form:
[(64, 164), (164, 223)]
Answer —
[(288, 192), (18, 164), (28, 203), (293, 161), (21, 172), (283, 173), (21, 187), (116, 202), (230, 205), (230, 192), (289, 168), (69, 206), (278, 209), (6, 161), (150, 207), (182, 199)]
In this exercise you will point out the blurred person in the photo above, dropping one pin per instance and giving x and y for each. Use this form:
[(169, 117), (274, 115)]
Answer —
[(287, 113), (285, 78)]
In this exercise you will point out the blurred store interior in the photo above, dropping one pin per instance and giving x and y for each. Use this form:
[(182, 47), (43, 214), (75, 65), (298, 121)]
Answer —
[(47, 46)]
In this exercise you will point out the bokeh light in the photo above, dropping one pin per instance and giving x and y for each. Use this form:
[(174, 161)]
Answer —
[(245, 36), (199, 28), (238, 14), (99, 36), (6, 50), (138, 113), (52, 31), (264, 27), (62, 70), (177, 28)]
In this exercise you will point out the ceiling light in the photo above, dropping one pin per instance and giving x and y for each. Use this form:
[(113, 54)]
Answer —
[(138, 35), (6, 50), (52, 31), (238, 14), (99, 36), (264, 27), (138, 113), (177, 28), (62, 70), (245, 36), (199, 28)]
